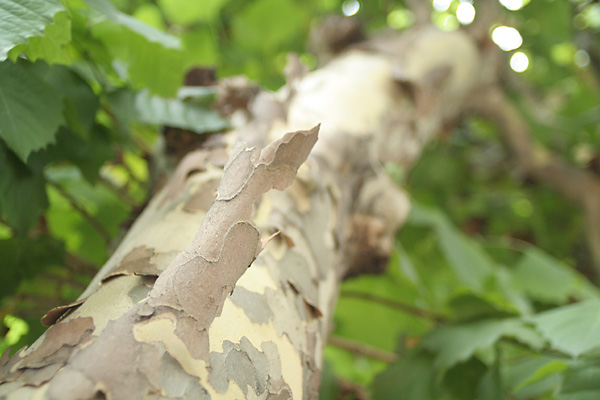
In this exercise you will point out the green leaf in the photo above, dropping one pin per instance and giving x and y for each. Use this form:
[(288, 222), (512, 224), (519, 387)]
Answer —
[(51, 46), (551, 368), (22, 19), (30, 109), (468, 259), (357, 317), (147, 32), (581, 381), (470, 263), (67, 223), (88, 154), (413, 375), (202, 95), (201, 46), (353, 367), (462, 380), (171, 112), (186, 12), (330, 387), (257, 28), (573, 329), (455, 343), (81, 103), (23, 259), (547, 280), (150, 14), (522, 368), (22, 192), (470, 306), (146, 56), (146, 63), (490, 387)]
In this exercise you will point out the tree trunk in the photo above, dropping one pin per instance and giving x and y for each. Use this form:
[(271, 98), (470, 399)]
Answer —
[(241, 307)]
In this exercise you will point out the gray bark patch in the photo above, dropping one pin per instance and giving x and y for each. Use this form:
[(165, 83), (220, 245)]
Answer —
[(255, 305), (242, 363), (177, 383)]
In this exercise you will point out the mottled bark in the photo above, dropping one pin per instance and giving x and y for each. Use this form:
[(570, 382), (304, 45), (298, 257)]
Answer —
[(181, 310)]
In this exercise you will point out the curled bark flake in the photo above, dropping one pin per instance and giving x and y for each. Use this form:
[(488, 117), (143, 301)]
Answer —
[(31, 366), (227, 242), (139, 261), (58, 312)]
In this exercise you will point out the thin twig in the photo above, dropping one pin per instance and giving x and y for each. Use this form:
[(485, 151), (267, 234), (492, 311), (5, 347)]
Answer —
[(508, 242), (396, 305), (95, 224), (119, 191), (76, 264), (362, 349)]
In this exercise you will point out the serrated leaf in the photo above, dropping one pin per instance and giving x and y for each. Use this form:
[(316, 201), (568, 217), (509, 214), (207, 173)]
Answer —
[(573, 329), (50, 46), (546, 279), (413, 375), (152, 59), (30, 109), (81, 103), (456, 343), (171, 112), (581, 381), (22, 192), (22, 19)]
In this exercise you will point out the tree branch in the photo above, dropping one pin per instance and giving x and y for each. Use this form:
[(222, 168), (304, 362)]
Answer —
[(581, 187), (96, 225), (119, 191), (396, 305), (362, 349)]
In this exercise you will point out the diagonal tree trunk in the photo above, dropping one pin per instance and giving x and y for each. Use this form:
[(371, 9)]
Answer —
[(241, 306)]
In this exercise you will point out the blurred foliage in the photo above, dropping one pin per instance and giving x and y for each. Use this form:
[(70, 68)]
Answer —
[(488, 294)]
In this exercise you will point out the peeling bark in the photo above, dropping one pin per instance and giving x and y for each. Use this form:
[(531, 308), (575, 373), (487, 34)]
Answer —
[(230, 310)]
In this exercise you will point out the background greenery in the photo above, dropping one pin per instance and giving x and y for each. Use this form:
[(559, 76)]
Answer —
[(489, 294)]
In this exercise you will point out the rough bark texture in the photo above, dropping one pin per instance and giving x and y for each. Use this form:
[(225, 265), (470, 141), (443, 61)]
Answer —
[(178, 313)]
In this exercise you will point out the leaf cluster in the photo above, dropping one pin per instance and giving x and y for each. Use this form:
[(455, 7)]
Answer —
[(83, 89)]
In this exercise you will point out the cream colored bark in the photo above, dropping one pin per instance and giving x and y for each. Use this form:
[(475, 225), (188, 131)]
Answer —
[(181, 310)]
